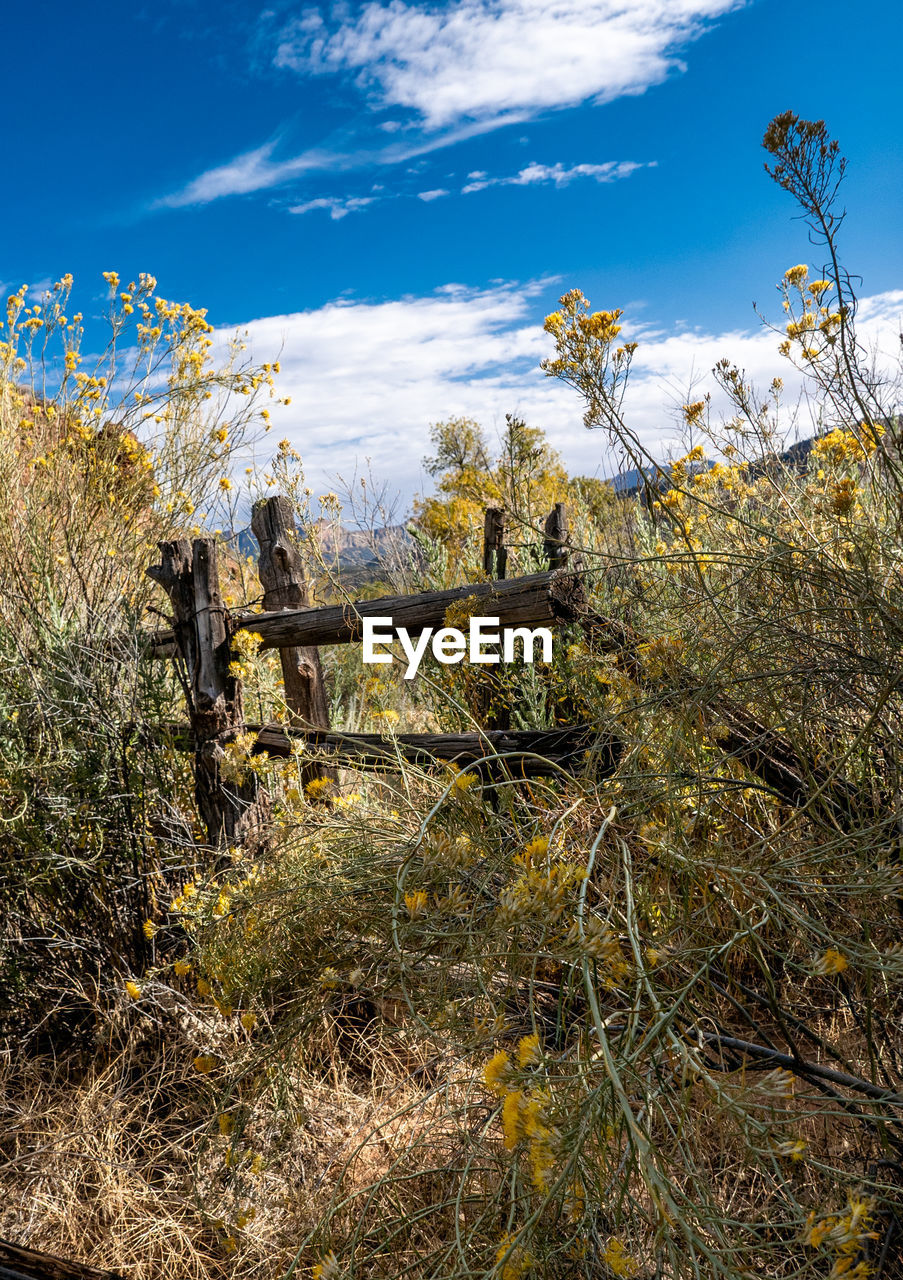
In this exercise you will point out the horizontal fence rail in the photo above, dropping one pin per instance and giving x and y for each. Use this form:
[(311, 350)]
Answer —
[(18, 1263), (533, 600), (524, 753)]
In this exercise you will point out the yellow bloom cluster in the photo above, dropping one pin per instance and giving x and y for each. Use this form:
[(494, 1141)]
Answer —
[(833, 961), (237, 759), (514, 1259), (539, 892), (596, 940), (416, 903), (618, 1260), (584, 339), (842, 496), (846, 1235), (840, 445), (327, 1268), (446, 853), (796, 275), (497, 1072), (524, 1109)]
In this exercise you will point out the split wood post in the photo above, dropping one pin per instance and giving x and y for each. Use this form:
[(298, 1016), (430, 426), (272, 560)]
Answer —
[(284, 582), (490, 687), (556, 530), (495, 553), (232, 811)]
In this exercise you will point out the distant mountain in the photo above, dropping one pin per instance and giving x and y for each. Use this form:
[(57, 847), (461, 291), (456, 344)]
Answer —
[(350, 548), (362, 547), (630, 484)]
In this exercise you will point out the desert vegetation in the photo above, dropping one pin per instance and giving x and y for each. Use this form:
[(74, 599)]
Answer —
[(638, 1016)]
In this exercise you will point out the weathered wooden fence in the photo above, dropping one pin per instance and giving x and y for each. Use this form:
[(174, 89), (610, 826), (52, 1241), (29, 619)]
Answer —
[(203, 630), (201, 636)]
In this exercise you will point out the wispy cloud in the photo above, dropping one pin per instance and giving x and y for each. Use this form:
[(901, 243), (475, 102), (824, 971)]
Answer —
[(253, 171), (476, 352), (462, 70), (558, 174), (338, 207), (259, 170), (482, 59)]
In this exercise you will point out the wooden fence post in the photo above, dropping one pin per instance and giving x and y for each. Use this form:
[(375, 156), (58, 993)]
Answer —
[(230, 810), (495, 553), (491, 691), (282, 576), (556, 531)]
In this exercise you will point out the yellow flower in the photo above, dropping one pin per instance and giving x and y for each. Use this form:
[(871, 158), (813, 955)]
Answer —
[(204, 987), (181, 967), (204, 1063), (537, 848), (693, 412), (796, 275), (528, 1050), (463, 781), (495, 1072), (833, 961), (416, 903), (226, 1124), (512, 1119), (618, 1260), (327, 1268), (792, 1150), (514, 1258), (249, 1021), (225, 483), (149, 929), (134, 990)]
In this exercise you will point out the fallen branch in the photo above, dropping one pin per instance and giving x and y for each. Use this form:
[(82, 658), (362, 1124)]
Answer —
[(800, 1067)]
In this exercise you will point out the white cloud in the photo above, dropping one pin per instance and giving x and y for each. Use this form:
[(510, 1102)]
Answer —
[(610, 171), (253, 171), (338, 206), (257, 170), (464, 70), (491, 59), (367, 378)]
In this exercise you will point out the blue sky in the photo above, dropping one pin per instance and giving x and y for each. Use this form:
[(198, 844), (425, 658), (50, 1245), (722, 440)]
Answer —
[(395, 194)]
